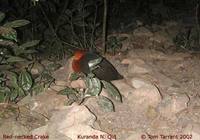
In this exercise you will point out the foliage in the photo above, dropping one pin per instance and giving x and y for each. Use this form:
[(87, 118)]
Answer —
[(114, 43), (16, 80), (94, 88), (188, 40), (65, 25)]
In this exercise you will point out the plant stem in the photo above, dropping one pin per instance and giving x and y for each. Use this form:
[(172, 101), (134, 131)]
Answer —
[(104, 26), (94, 27)]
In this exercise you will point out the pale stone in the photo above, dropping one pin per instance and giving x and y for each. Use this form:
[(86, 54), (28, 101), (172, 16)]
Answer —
[(138, 83), (47, 102), (144, 97), (137, 136), (60, 83), (124, 88), (136, 69), (12, 127), (78, 84), (192, 131), (72, 115), (64, 72), (57, 88), (75, 122), (143, 32), (82, 131), (151, 112), (37, 68), (41, 131), (173, 104), (126, 61)]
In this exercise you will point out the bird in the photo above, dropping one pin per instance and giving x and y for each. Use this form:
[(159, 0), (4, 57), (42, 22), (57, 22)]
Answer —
[(91, 62)]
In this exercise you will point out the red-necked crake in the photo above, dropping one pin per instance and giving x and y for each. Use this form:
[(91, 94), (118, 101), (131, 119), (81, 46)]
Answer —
[(83, 61)]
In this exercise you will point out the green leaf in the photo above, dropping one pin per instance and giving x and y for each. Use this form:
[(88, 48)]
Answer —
[(16, 92), (105, 103), (5, 67), (74, 76), (18, 51), (14, 59), (2, 16), (29, 51), (38, 88), (16, 23), (13, 79), (71, 94), (112, 91), (8, 33), (2, 97), (25, 80), (4, 93), (4, 90), (20, 91), (67, 91), (30, 44), (94, 86), (53, 66), (2, 79)]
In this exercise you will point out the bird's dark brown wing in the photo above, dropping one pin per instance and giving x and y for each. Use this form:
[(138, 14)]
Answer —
[(106, 71)]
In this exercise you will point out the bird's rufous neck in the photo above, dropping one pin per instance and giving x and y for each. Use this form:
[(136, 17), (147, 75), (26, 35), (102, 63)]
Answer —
[(78, 55)]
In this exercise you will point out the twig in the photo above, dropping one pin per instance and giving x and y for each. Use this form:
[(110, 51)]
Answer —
[(104, 25)]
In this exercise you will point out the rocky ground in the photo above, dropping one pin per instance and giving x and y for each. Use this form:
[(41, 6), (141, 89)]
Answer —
[(160, 90)]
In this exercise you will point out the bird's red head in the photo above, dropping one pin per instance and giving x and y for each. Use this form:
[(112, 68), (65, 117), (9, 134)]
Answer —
[(78, 55)]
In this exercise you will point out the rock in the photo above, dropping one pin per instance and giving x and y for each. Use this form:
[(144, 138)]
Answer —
[(140, 38), (93, 106), (165, 81), (57, 88), (126, 61), (46, 134), (123, 87), (37, 68), (173, 104), (162, 38), (41, 131), (137, 66), (60, 83), (144, 97), (47, 102), (63, 73), (85, 132), (137, 135), (138, 83), (136, 69), (75, 122), (12, 127), (70, 116), (159, 123), (142, 32), (189, 114), (78, 84), (192, 131), (159, 37), (151, 113), (70, 123)]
